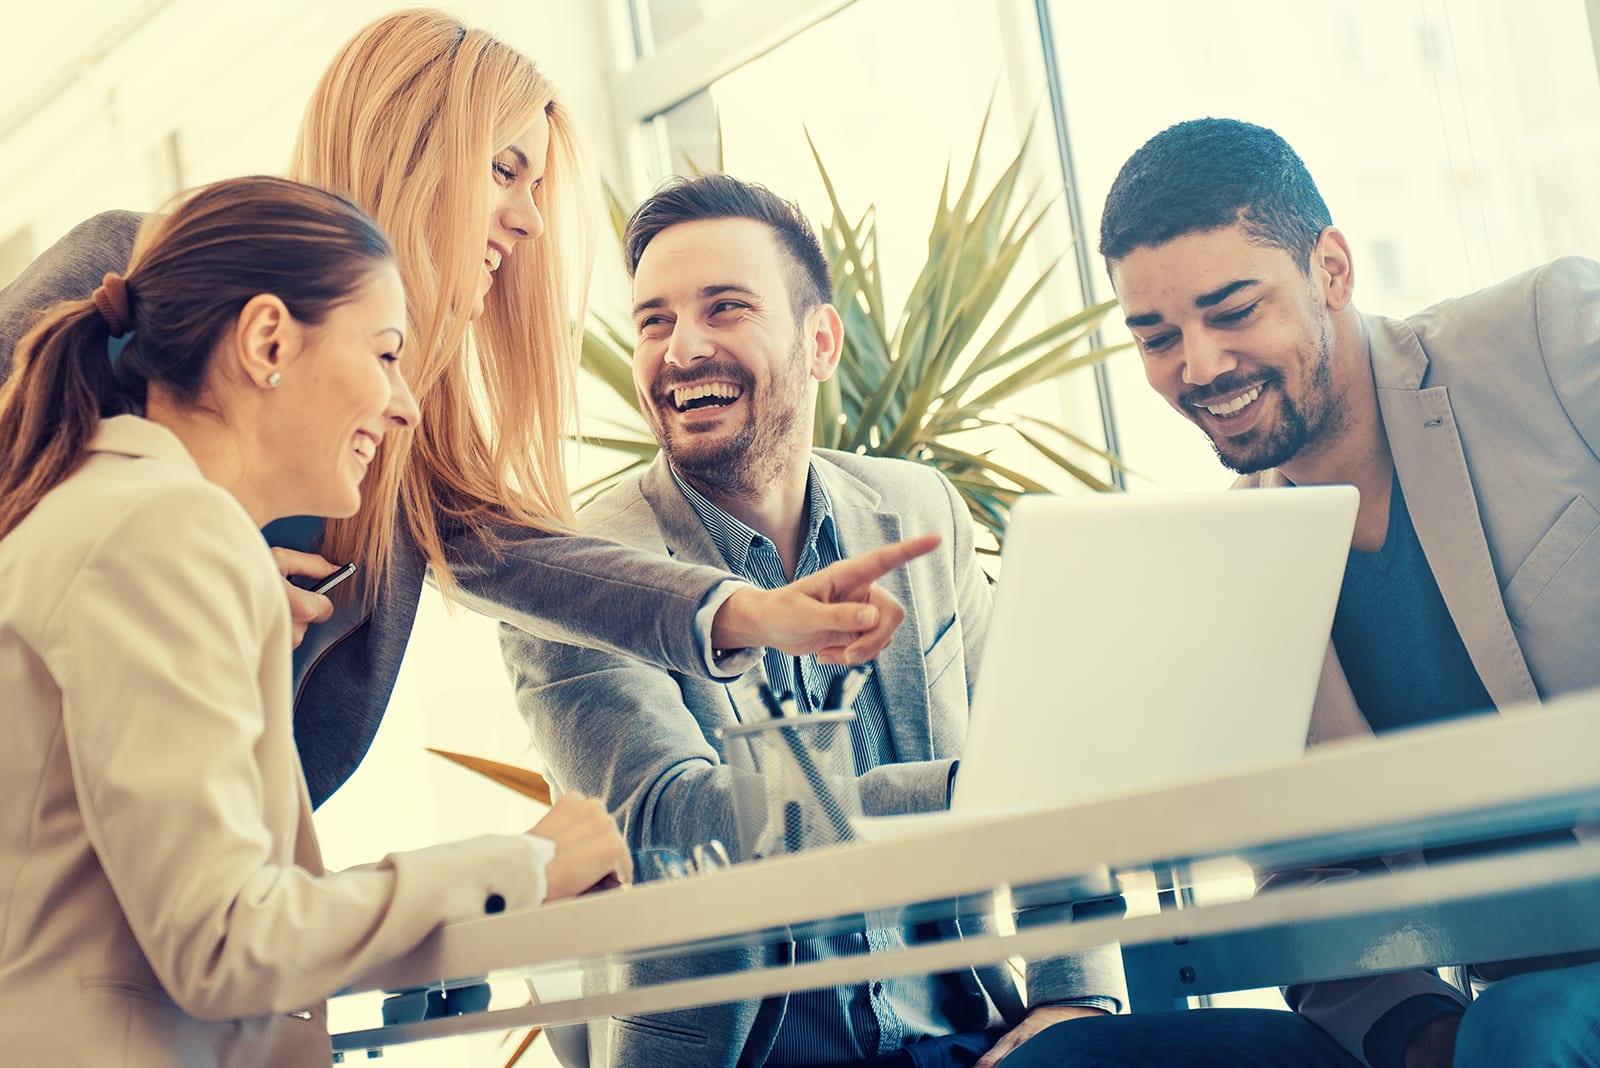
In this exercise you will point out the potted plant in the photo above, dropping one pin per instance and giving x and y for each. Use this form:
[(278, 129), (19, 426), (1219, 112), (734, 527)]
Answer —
[(936, 381)]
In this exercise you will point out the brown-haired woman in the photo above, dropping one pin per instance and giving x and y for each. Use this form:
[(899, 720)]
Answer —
[(163, 899), (461, 149)]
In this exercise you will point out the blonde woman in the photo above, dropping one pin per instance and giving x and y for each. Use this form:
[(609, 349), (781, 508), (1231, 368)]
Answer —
[(462, 150), (163, 900)]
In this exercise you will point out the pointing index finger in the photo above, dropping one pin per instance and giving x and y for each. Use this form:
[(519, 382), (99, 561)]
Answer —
[(856, 572)]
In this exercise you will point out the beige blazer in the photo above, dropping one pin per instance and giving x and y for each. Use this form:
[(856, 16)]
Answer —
[(1491, 404), (162, 899)]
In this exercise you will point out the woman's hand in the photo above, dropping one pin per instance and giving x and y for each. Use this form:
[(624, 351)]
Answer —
[(305, 607), (838, 613), (589, 849)]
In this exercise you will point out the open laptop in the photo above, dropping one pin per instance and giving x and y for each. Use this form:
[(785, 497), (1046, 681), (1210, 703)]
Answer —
[(1139, 640)]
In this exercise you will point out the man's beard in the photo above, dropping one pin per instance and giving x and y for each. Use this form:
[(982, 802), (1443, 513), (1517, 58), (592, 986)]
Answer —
[(740, 463), (1317, 414)]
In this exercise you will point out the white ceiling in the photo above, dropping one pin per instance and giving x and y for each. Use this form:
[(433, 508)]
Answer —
[(52, 43)]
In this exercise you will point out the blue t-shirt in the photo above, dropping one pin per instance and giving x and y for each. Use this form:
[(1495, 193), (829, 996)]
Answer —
[(1400, 650)]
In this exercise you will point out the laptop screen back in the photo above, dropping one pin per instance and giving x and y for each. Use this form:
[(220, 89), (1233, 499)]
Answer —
[(1143, 639)]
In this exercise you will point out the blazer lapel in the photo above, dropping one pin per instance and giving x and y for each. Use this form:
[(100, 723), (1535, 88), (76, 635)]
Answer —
[(1438, 488), (862, 526), (687, 540), (680, 528)]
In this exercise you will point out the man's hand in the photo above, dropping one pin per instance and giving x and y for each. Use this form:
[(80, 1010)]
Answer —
[(1433, 1045), (305, 607), (589, 849), (1032, 1024), (837, 613)]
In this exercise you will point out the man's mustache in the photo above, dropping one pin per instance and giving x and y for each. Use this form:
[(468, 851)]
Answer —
[(679, 377), (1232, 382)]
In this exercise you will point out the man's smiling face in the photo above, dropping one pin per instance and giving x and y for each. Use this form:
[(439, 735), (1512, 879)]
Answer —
[(722, 370), (1238, 339)]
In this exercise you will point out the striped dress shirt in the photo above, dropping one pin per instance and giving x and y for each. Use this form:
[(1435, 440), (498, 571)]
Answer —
[(844, 1024)]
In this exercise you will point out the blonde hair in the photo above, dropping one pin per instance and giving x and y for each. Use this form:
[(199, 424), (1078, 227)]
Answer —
[(407, 121)]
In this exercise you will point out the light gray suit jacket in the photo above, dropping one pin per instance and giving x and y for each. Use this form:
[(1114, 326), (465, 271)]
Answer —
[(1491, 403), (644, 740)]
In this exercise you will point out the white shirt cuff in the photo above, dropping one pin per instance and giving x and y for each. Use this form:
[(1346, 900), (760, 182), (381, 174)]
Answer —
[(542, 851), (722, 663)]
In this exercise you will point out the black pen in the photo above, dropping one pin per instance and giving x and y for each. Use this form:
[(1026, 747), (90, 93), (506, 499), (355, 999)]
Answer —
[(770, 700), (322, 585), (782, 708), (793, 827), (334, 579)]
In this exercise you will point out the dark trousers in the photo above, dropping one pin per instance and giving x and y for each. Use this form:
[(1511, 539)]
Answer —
[(1198, 1038), (1538, 1020), (945, 1051)]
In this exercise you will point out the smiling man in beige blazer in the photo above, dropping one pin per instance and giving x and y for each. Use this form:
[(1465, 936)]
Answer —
[(1471, 430)]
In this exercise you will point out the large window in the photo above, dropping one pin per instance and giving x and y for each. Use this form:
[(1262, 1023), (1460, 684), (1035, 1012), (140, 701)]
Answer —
[(885, 125), (1454, 140), (893, 94)]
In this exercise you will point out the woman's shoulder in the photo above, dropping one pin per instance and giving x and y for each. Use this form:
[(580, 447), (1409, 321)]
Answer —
[(139, 493), (68, 270), (165, 499), (107, 237), (139, 530)]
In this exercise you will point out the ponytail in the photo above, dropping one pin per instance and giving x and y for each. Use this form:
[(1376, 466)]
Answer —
[(191, 274), (62, 384)]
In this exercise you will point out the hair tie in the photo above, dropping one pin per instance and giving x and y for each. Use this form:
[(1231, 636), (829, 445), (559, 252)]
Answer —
[(111, 301)]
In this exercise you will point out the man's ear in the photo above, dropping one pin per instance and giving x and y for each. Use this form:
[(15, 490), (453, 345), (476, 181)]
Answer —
[(267, 339), (1333, 268), (827, 335)]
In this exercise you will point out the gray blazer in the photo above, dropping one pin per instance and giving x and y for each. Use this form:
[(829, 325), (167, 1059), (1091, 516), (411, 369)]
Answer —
[(1491, 403), (644, 740), (566, 588)]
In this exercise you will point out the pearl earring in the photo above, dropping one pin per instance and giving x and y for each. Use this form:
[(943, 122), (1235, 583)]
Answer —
[(274, 379)]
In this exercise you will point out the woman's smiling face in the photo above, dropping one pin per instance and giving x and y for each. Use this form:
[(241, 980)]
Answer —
[(346, 392), (515, 175)]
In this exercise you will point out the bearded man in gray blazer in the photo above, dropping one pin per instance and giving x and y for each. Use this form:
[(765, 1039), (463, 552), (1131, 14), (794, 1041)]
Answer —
[(734, 329), (1472, 432)]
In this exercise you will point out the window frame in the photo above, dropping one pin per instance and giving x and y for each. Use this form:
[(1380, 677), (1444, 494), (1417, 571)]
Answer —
[(658, 80)]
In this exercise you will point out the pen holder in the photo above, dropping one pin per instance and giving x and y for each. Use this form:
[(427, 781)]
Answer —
[(794, 782)]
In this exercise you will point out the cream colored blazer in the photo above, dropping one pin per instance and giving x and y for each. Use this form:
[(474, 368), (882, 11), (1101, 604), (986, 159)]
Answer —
[(162, 898)]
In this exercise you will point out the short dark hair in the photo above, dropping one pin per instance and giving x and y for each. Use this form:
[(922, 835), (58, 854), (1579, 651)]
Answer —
[(720, 196), (1207, 174)]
